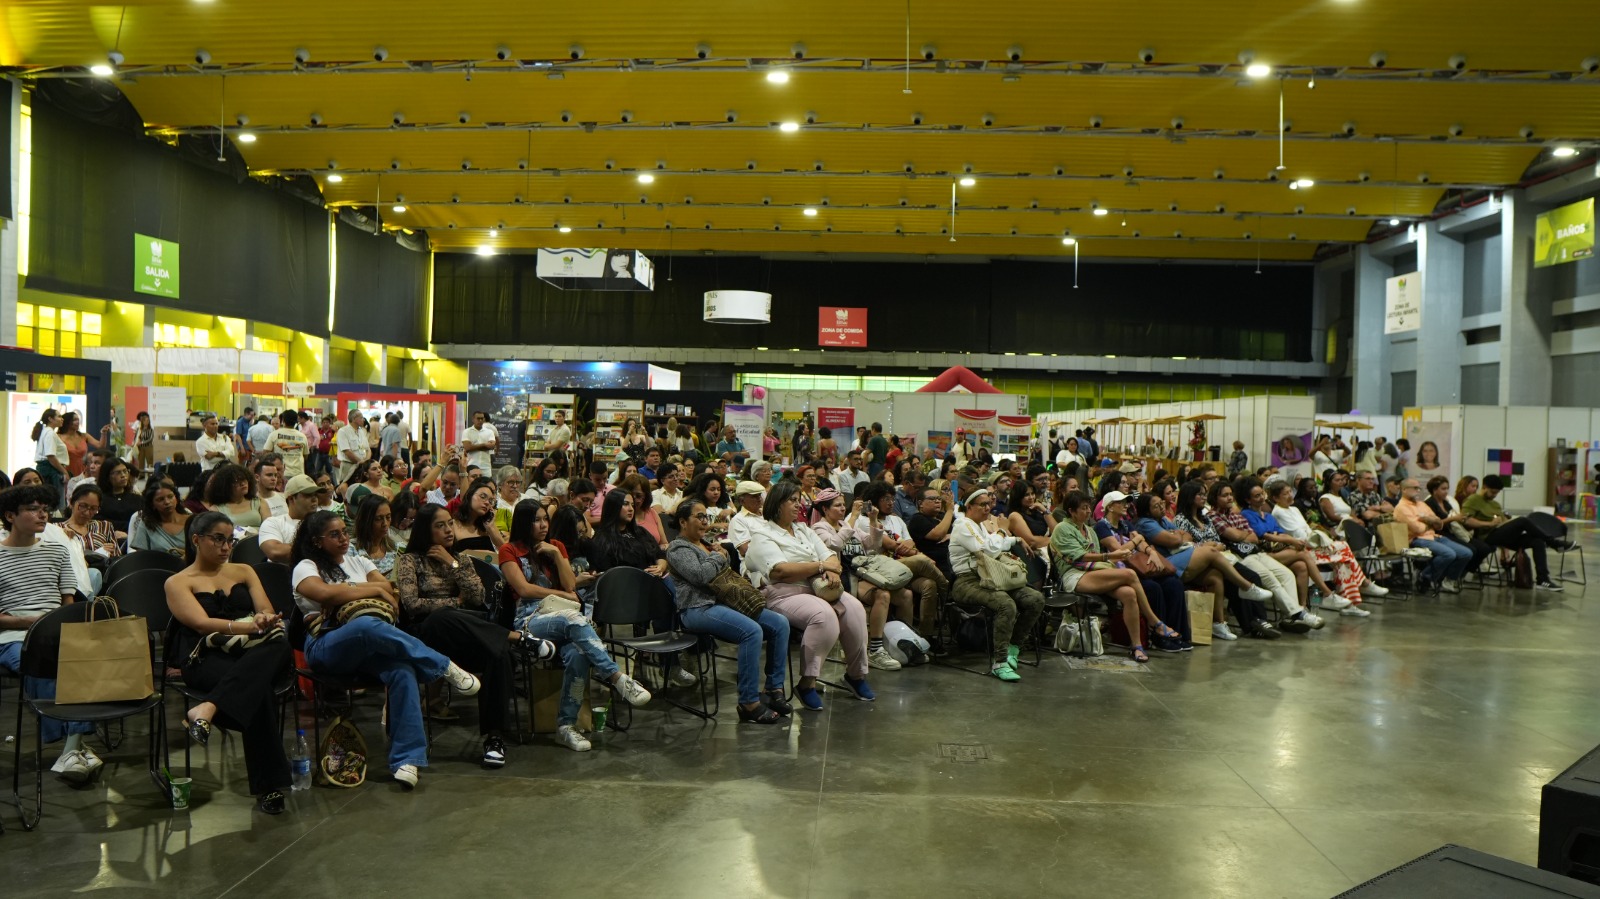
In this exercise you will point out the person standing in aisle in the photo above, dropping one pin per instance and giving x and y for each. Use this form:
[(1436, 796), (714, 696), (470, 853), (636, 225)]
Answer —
[(391, 437), (961, 451), (352, 443), (211, 448), (241, 435), (879, 448), (560, 436), (406, 441), (260, 434), (478, 442), (290, 443)]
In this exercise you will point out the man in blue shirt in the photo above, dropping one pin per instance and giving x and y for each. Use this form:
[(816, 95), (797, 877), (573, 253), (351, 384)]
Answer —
[(241, 434), (731, 448), (652, 461)]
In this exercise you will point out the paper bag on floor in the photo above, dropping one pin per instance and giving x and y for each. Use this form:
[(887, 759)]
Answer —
[(104, 659), (547, 701), (1393, 537), (1199, 616)]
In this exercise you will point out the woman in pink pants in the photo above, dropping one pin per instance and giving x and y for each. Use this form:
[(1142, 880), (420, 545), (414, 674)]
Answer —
[(784, 558)]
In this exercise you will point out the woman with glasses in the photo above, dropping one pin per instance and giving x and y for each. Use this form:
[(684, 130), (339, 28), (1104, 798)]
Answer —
[(325, 576), (474, 519), (508, 494), (96, 538), (238, 690)]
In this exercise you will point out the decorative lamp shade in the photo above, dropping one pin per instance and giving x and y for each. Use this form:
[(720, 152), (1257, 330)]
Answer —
[(738, 307)]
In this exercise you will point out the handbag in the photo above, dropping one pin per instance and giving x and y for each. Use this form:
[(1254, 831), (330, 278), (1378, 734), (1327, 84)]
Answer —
[(237, 644), (1150, 564), (342, 758), (1004, 572), (105, 658), (823, 588), (556, 605), (350, 611), (735, 591), (1394, 537), (881, 571)]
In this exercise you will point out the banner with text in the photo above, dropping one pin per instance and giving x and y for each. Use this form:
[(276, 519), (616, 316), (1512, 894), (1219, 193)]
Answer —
[(1402, 303), (840, 421), (1564, 235), (155, 266), (980, 425), (747, 422), (842, 326)]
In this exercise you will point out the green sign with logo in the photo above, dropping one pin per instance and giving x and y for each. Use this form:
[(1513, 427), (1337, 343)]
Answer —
[(155, 266), (1564, 235)]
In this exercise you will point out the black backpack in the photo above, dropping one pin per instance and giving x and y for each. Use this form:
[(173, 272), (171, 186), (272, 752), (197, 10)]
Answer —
[(972, 630)]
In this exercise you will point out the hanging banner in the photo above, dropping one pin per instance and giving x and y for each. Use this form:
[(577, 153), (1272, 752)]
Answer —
[(747, 422), (842, 326), (939, 443), (1402, 303), (155, 266), (1012, 433), (1291, 446), (1432, 451), (1564, 235), (980, 425), (595, 268), (908, 445), (841, 421)]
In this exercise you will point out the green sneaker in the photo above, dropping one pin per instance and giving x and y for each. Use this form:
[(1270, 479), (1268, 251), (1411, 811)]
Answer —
[(1006, 673), (1011, 655)]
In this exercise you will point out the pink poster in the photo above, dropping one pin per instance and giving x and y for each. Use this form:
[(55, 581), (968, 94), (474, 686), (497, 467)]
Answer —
[(841, 421)]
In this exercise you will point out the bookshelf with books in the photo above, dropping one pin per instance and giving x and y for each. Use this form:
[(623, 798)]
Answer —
[(542, 408), (1565, 480), (610, 416)]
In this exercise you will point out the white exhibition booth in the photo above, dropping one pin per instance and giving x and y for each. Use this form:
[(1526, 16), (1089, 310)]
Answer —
[(1258, 421), (915, 415)]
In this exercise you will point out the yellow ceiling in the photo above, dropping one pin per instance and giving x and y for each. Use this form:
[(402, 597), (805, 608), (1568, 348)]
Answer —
[(525, 161)]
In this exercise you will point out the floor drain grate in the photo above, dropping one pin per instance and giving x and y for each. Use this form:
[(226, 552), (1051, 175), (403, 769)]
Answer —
[(964, 752)]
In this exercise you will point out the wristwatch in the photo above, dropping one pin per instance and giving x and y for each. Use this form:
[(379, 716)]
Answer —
[(454, 565)]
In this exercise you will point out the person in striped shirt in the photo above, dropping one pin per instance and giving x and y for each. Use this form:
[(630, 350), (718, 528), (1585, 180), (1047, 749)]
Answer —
[(36, 576)]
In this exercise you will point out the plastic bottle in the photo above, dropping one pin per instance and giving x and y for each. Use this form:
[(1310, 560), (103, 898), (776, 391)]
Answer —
[(300, 762)]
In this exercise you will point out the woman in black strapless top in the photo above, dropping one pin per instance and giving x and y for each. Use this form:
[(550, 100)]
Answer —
[(213, 596)]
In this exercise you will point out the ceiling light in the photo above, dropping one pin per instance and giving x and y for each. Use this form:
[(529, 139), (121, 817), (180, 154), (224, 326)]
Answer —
[(335, 179), (246, 137), (1100, 211), (1068, 241), (1393, 222), (1294, 185), (968, 182), (646, 178), (810, 210), (102, 70), (1306, 182), (789, 127), (486, 251), (565, 229), (494, 232), (778, 76), (399, 207), (1258, 70), (1558, 152)]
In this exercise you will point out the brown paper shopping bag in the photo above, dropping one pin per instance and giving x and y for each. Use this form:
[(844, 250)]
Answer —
[(104, 659), (1393, 537), (547, 701), (1199, 616)]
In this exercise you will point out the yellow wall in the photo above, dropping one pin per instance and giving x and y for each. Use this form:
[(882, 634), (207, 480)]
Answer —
[(444, 376), (306, 355)]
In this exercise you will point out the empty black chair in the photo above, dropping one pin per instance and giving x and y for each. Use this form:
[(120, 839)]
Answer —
[(633, 600), (141, 560), (248, 551)]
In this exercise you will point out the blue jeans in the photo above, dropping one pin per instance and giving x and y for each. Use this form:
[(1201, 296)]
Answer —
[(51, 729), (736, 627), (369, 646), (1450, 560), (581, 651)]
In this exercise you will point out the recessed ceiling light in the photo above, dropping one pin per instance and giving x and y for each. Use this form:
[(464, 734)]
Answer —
[(1294, 185), (810, 210), (968, 182), (399, 207), (789, 127), (762, 348), (778, 76), (486, 251), (1306, 182), (246, 137), (1068, 241), (1558, 152), (1101, 211), (1393, 222), (494, 232), (646, 178), (102, 70), (1258, 70), (565, 229), (335, 179)]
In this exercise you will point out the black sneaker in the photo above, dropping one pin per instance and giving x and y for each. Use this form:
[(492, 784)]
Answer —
[(1263, 631), (913, 652), (494, 752), (1547, 584), (1165, 644)]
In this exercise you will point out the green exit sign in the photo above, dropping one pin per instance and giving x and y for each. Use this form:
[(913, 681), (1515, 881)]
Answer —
[(155, 266)]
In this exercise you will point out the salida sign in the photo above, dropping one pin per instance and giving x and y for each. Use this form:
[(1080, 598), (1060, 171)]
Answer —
[(155, 266), (842, 326)]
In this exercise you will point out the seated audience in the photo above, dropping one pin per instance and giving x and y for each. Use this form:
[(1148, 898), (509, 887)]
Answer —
[(1274, 518), (473, 521), (835, 522), (1015, 613), (1488, 521), (371, 538), (1449, 513), (1282, 582), (1090, 566), (160, 525), (276, 537), (119, 503), (1450, 559)]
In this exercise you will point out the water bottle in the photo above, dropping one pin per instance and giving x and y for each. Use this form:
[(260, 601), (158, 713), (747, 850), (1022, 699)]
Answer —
[(300, 762)]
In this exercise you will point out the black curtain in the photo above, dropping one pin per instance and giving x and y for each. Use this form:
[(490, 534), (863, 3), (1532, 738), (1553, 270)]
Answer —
[(247, 250), (382, 291), (8, 97)]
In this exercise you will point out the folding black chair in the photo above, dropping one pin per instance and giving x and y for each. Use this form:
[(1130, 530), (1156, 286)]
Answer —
[(141, 560), (248, 551), (1371, 558), (634, 600), (41, 651), (1555, 531)]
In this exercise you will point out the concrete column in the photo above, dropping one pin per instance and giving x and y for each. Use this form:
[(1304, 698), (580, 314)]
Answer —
[(11, 108), (1525, 319), (1369, 346), (1440, 259)]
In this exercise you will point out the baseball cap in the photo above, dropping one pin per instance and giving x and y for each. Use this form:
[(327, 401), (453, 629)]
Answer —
[(1107, 463), (1115, 496), (961, 430), (300, 484), (1129, 467), (748, 488)]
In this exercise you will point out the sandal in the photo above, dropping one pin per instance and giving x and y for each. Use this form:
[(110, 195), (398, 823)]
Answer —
[(775, 701), (1138, 654), (1162, 630), (200, 731), (271, 803), (761, 714)]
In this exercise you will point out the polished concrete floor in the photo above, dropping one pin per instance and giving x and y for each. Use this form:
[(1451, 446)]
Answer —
[(1288, 769)]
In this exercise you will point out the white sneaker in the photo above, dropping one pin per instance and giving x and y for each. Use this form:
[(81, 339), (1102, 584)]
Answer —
[(1449, 586), (406, 776), (461, 681), (570, 738), (78, 766), (631, 691), (880, 658), (1313, 620), (1355, 612), (1220, 631), (683, 677), (1333, 602), (1368, 588), (1255, 593)]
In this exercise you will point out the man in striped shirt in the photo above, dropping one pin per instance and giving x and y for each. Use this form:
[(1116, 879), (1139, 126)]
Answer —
[(36, 577)]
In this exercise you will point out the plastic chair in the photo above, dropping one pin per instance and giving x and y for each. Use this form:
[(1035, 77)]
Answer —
[(248, 551), (633, 599), (141, 560), (41, 650)]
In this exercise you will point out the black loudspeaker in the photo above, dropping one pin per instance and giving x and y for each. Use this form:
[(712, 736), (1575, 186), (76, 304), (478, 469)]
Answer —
[(1569, 821), (1454, 872)]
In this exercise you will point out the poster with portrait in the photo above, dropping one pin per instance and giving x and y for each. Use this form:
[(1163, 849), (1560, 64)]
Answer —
[(1291, 446), (1432, 451)]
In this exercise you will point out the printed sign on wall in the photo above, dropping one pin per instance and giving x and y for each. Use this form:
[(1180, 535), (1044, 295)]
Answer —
[(155, 266), (1402, 303), (841, 421), (842, 326), (1564, 235)]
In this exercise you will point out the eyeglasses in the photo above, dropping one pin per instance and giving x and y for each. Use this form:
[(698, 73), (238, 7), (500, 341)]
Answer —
[(227, 539), (341, 535), (34, 508), (706, 517)]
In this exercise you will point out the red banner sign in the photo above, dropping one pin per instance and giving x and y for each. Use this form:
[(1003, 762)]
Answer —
[(842, 422), (842, 326)]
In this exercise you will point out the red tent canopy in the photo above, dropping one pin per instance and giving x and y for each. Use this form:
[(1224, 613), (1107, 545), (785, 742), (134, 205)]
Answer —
[(958, 379)]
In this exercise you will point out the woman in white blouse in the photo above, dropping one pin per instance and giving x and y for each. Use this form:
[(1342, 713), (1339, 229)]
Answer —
[(784, 559), (1015, 613), (836, 524)]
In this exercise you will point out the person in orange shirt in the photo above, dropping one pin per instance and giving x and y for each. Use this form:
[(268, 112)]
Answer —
[(1450, 559)]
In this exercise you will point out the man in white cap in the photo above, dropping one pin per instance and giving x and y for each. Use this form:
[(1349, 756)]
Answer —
[(276, 536), (749, 496)]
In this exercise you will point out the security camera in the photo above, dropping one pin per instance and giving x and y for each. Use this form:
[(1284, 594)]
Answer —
[(1095, 121), (1135, 233), (566, 199), (1423, 177), (916, 118), (903, 201), (116, 58), (522, 164), (455, 198), (302, 56), (966, 168), (380, 53), (1218, 174), (502, 53), (897, 229), (463, 117), (1288, 125), (1272, 176), (661, 165), (816, 166), (466, 164), (242, 119), (1147, 55), (1247, 235), (201, 57), (1349, 210), (798, 50), (1349, 129), (610, 164), (766, 201), (1033, 204), (750, 165), (988, 120), (1178, 234), (627, 116), (1222, 207), (702, 50), (688, 201), (1591, 65), (1378, 59), (1293, 236), (398, 118), (928, 51), (517, 199), (450, 225), (1300, 210), (1013, 232), (575, 51), (1526, 131), (909, 168), (1457, 130), (1172, 207), (566, 116), (1061, 170), (1127, 171), (333, 164), (316, 118), (1458, 61), (1014, 53), (811, 118), (1364, 177), (394, 165), (1177, 123), (730, 116)]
